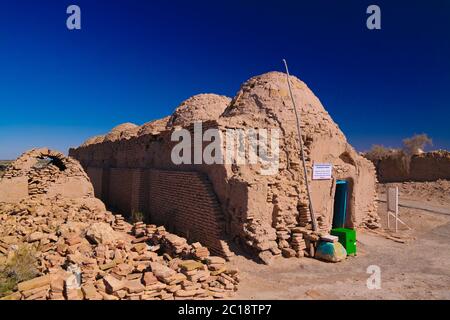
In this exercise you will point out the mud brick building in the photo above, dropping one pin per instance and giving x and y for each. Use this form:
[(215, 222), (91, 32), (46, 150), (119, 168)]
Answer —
[(131, 169)]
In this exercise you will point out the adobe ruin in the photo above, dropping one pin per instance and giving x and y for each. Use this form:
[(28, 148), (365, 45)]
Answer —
[(79, 250), (131, 170), (43, 171)]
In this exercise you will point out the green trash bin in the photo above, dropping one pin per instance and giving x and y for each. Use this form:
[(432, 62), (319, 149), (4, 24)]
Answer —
[(347, 237)]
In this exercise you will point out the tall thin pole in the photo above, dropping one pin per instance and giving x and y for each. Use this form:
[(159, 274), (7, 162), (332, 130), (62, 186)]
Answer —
[(299, 130)]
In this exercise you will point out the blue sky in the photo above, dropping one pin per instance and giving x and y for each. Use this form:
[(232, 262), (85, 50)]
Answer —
[(136, 60)]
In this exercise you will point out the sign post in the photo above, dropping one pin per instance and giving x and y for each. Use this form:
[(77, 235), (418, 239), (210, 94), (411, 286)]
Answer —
[(392, 205), (302, 153)]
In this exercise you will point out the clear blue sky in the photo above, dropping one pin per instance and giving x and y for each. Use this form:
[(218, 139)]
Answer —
[(136, 60)]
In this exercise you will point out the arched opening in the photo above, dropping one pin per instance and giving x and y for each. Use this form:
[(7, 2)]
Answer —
[(43, 172), (47, 161)]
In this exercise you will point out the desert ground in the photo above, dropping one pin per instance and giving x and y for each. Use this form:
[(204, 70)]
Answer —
[(419, 268)]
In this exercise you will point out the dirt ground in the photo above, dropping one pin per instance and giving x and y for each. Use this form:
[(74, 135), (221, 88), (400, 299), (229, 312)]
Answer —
[(433, 193), (416, 269)]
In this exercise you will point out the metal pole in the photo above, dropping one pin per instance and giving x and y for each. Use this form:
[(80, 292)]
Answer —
[(388, 216), (299, 130)]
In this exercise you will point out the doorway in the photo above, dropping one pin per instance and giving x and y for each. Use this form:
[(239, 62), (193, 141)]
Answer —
[(340, 204)]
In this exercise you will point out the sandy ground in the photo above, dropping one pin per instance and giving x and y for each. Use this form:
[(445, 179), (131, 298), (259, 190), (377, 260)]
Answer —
[(417, 269), (432, 193)]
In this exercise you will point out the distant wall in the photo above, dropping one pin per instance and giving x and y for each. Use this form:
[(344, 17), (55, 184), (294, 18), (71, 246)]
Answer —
[(429, 166)]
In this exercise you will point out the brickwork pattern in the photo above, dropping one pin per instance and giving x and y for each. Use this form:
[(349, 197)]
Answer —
[(182, 201), (120, 189), (186, 203), (96, 176)]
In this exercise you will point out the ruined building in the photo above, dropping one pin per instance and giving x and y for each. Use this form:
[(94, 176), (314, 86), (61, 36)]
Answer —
[(73, 248), (218, 204), (44, 171)]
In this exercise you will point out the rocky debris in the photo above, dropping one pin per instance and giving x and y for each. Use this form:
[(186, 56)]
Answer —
[(291, 241), (101, 233), (81, 256), (372, 221), (84, 251), (120, 224)]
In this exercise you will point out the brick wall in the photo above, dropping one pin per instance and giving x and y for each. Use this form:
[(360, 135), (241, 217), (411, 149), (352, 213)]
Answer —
[(187, 205), (96, 176), (120, 190), (184, 202), (139, 183)]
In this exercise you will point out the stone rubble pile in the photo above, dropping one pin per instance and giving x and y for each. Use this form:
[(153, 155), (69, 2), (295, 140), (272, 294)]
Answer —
[(40, 178), (86, 252), (288, 240), (372, 221)]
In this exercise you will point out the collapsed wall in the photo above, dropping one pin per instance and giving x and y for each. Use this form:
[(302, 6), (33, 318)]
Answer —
[(75, 249), (43, 171), (264, 213)]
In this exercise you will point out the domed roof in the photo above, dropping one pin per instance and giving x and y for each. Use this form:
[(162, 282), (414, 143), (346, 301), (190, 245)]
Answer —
[(201, 107), (264, 101), (153, 127), (93, 140), (124, 127), (122, 131)]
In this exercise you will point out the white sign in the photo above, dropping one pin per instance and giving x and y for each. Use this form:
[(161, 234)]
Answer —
[(392, 206), (322, 171), (392, 199)]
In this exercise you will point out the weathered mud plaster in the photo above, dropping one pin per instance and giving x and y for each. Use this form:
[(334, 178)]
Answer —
[(257, 211)]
